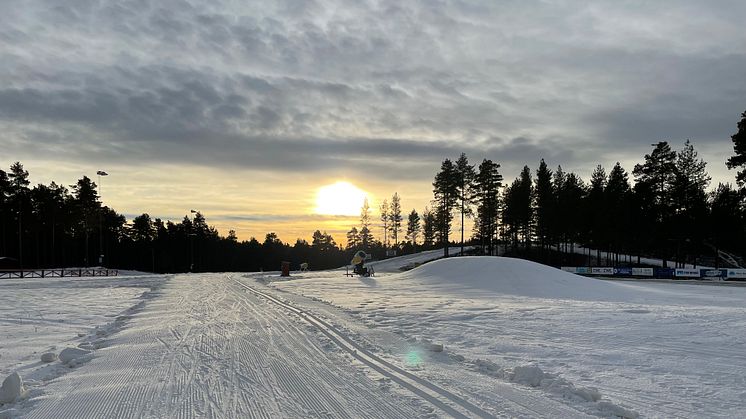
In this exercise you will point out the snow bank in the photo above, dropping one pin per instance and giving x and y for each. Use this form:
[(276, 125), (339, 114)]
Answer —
[(48, 357), (501, 275), (534, 376), (12, 389), (74, 356)]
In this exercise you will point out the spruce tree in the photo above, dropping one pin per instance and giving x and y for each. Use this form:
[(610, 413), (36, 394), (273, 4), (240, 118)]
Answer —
[(544, 204)]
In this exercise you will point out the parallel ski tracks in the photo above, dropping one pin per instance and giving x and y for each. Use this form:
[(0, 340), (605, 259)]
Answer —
[(448, 402)]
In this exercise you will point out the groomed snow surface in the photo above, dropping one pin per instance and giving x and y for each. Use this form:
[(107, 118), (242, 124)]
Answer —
[(518, 339)]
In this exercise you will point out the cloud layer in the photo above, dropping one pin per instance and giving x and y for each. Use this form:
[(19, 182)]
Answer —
[(385, 87)]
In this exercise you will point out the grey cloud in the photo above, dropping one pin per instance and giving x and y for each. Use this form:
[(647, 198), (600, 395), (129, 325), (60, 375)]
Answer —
[(388, 86)]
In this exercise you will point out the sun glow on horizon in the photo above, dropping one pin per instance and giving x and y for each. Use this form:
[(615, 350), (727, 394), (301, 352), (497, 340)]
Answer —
[(340, 198)]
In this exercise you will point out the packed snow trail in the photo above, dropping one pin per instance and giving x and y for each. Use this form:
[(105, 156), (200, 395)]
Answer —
[(205, 347), (439, 397)]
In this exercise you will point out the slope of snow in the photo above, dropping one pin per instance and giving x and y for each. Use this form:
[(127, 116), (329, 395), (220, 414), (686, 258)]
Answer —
[(518, 339), (662, 350), (501, 275)]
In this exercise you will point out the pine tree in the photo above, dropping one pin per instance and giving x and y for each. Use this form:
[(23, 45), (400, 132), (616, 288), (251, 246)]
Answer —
[(487, 184), (366, 237), (739, 148), (654, 181), (429, 227), (353, 238), (445, 191), (395, 218), (464, 188), (413, 227), (690, 180), (659, 171), (727, 224), (617, 198), (689, 200), (518, 211), (596, 210), (385, 220)]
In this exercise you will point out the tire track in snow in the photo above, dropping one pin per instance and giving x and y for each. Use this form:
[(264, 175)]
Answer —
[(439, 397)]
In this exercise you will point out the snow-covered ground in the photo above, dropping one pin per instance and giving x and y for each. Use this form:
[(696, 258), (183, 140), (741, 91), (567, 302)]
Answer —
[(519, 340)]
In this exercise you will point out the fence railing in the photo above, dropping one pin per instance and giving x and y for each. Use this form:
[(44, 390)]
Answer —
[(56, 273)]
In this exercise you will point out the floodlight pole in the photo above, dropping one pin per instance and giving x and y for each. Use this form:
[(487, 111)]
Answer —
[(100, 218), (191, 243)]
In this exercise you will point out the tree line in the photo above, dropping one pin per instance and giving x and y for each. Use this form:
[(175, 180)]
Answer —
[(666, 213), (52, 226)]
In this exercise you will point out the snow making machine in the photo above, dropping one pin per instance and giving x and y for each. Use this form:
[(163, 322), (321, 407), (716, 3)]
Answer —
[(358, 265)]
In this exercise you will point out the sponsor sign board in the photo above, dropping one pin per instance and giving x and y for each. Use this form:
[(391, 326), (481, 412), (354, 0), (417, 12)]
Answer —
[(642, 271), (622, 271), (602, 271), (664, 272), (736, 273), (687, 273), (713, 273), (582, 270), (570, 269)]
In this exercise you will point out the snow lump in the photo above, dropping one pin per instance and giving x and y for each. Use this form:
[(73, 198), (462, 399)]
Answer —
[(12, 389)]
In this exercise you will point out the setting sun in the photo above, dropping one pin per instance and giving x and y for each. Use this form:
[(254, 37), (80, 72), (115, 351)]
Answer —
[(341, 198)]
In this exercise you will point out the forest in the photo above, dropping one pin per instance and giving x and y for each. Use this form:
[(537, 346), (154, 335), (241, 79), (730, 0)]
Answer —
[(664, 208)]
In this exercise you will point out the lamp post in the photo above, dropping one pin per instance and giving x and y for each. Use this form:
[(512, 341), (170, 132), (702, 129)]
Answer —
[(191, 243), (100, 223)]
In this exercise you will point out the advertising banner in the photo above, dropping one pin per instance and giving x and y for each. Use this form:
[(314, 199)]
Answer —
[(622, 271), (602, 271), (642, 271), (570, 269), (687, 273), (713, 273), (664, 272), (737, 274), (583, 270)]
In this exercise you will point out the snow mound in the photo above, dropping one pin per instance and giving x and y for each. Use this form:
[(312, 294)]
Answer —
[(529, 375), (49, 357), (12, 389), (73, 356), (534, 376), (501, 275)]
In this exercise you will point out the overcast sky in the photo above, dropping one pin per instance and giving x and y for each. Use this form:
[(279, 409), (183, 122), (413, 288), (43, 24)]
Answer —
[(244, 109)]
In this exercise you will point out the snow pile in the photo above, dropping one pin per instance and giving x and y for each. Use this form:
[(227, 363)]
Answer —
[(73, 357), (12, 389), (534, 376), (501, 275), (529, 375), (48, 357)]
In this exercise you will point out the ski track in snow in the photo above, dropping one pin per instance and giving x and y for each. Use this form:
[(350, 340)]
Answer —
[(325, 346), (204, 347)]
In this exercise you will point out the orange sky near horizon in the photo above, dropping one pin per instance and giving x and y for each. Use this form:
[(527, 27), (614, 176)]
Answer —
[(253, 203)]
